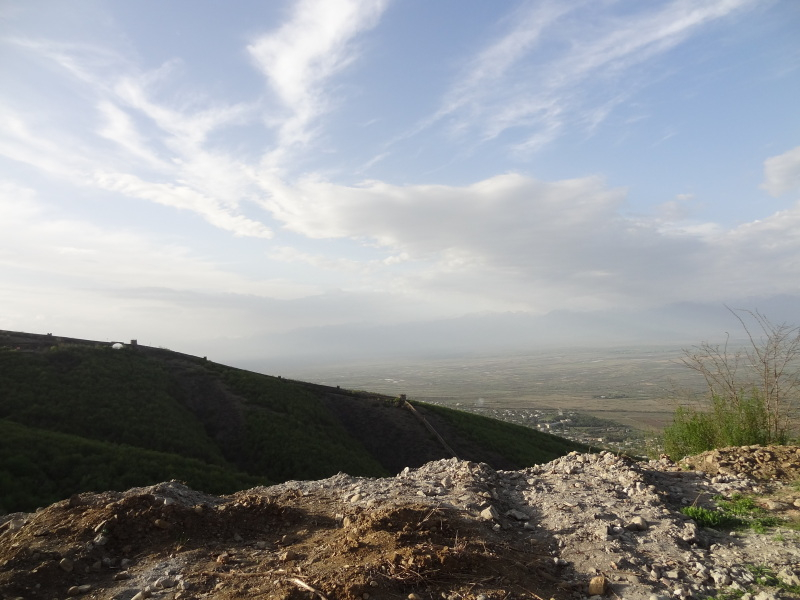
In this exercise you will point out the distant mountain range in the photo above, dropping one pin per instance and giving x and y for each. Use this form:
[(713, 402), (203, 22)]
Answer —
[(501, 333), (79, 415)]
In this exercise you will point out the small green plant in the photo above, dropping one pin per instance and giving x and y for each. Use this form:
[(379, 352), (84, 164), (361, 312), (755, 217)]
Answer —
[(729, 594), (746, 509), (764, 575), (736, 512), (711, 518)]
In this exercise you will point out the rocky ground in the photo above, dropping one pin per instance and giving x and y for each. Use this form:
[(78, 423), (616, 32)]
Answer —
[(583, 525)]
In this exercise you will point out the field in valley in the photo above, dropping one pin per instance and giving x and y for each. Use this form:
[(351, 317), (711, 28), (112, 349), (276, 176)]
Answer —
[(635, 386)]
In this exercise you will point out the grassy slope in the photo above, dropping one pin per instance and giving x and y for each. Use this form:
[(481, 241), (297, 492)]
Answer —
[(39, 467), (81, 416)]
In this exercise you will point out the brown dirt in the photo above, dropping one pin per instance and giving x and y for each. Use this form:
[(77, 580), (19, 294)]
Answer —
[(423, 535), (763, 463), (252, 546)]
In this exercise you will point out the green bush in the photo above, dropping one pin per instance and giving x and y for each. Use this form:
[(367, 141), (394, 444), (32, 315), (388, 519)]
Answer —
[(727, 423)]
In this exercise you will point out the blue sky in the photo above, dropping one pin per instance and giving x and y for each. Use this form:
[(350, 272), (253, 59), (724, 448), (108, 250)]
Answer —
[(182, 171)]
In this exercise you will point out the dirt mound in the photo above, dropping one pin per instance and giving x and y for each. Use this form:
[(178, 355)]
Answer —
[(581, 525), (763, 463)]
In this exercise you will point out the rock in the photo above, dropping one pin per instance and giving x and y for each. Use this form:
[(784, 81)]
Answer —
[(66, 565), (789, 577), (162, 524), (518, 515), (490, 513), (637, 524), (598, 585), (165, 582), (77, 590), (288, 555), (721, 578)]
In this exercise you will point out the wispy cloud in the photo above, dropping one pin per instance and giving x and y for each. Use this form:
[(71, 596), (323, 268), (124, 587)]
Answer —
[(302, 55), (556, 67), (158, 151)]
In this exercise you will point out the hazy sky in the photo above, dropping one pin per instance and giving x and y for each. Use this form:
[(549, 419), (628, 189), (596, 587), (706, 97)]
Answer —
[(177, 171)]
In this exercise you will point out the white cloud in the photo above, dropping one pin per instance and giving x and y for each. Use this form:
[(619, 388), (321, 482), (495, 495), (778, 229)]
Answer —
[(37, 241), (78, 278), (301, 56), (511, 242), (182, 197), (172, 165), (782, 173)]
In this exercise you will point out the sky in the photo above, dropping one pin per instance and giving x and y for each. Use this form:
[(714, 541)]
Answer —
[(192, 173)]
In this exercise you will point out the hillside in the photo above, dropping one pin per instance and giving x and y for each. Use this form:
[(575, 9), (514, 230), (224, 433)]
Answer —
[(78, 415)]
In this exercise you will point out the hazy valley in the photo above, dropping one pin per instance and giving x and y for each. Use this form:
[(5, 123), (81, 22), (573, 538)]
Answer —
[(635, 387)]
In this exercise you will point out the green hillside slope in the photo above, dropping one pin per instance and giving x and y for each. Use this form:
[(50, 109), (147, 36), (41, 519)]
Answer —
[(39, 467), (111, 419)]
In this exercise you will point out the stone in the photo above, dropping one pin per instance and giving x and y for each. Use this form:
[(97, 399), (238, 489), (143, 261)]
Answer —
[(637, 524), (165, 582), (518, 515), (288, 555), (490, 513), (77, 590), (789, 577), (598, 585), (721, 578), (66, 565)]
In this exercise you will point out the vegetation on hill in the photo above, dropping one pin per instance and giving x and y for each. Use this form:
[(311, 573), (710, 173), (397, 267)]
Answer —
[(77, 415), (39, 467)]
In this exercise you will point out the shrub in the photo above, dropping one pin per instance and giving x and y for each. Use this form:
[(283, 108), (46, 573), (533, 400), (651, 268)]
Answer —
[(758, 383), (728, 423)]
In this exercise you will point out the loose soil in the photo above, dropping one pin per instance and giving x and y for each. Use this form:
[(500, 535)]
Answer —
[(451, 530)]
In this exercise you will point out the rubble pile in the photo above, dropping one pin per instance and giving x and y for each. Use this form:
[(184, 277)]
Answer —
[(584, 525)]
